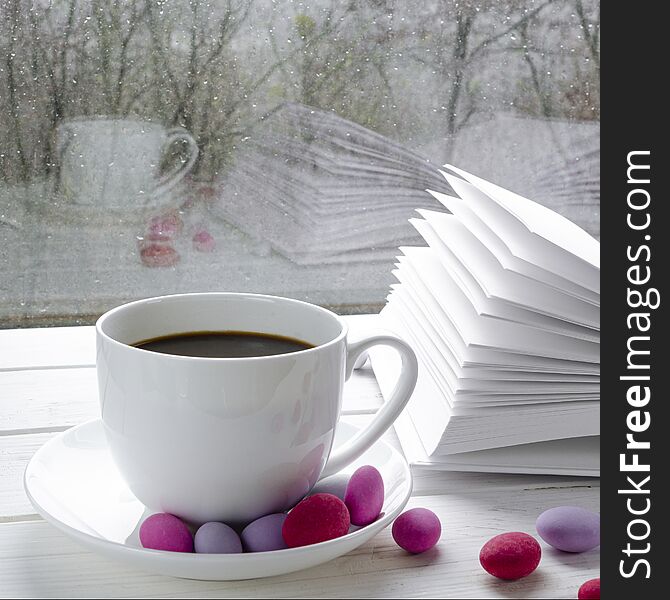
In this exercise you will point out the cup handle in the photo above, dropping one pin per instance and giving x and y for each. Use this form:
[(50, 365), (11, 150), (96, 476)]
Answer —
[(389, 412), (169, 180)]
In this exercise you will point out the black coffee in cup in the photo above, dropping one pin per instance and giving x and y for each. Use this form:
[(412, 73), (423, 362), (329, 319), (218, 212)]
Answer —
[(223, 344)]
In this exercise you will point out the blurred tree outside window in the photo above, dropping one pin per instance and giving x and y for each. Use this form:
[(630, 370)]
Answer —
[(151, 147)]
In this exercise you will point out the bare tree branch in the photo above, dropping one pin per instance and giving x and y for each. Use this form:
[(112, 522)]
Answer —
[(11, 83), (590, 37), (525, 18), (123, 55)]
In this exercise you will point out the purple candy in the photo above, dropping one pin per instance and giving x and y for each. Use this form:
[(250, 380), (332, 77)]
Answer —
[(569, 528), (364, 495), (165, 532), (264, 534), (417, 530), (217, 538)]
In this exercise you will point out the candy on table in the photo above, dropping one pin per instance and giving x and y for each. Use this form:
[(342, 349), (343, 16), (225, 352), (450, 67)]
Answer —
[(163, 531), (590, 590), (417, 530), (510, 555), (264, 534), (569, 528), (316, 519), (364, 495), (217, 538)]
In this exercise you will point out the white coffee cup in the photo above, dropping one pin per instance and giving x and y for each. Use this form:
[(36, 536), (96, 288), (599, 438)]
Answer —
[(231, 439), (114, 164)]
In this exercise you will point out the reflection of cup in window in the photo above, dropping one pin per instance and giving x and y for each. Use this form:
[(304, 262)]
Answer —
[(115, 163)]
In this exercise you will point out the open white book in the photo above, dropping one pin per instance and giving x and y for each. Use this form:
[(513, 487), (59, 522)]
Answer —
[(502, 307)]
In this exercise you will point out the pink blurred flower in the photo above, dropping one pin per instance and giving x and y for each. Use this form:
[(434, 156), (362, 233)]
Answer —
[(157, 254), (164, 227), (203, 241)]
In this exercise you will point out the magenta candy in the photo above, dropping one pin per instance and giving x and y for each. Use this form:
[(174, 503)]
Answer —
[(264, 534), (364, 495), (417, 530), (217, 538), (165, 532), (510, 555)]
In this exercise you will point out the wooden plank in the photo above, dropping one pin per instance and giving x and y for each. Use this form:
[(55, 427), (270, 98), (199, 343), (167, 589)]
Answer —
[(47, 400), (16, 451), (38, 561), (47, 348)]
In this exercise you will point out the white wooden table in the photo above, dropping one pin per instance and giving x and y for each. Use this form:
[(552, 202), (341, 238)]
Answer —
[(47, 384)]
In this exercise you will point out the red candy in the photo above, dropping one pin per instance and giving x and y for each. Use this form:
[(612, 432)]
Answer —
[(316, 519), (590, 590), (510, 555)]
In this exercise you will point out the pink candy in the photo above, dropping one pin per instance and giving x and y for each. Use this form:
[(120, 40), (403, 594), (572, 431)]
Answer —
[(166, 532)]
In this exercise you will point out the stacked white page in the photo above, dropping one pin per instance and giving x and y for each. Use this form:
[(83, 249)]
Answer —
[(502, 307)]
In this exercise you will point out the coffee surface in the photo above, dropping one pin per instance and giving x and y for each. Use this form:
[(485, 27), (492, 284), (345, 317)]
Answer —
[(223, 344)]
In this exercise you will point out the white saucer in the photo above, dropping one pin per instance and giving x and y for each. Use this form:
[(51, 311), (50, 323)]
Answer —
[(74, 484)]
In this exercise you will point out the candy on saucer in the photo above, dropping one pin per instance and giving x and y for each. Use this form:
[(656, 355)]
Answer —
[(217, 538), (163, 531), (364, 495), (264, 534), (316, 519)]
